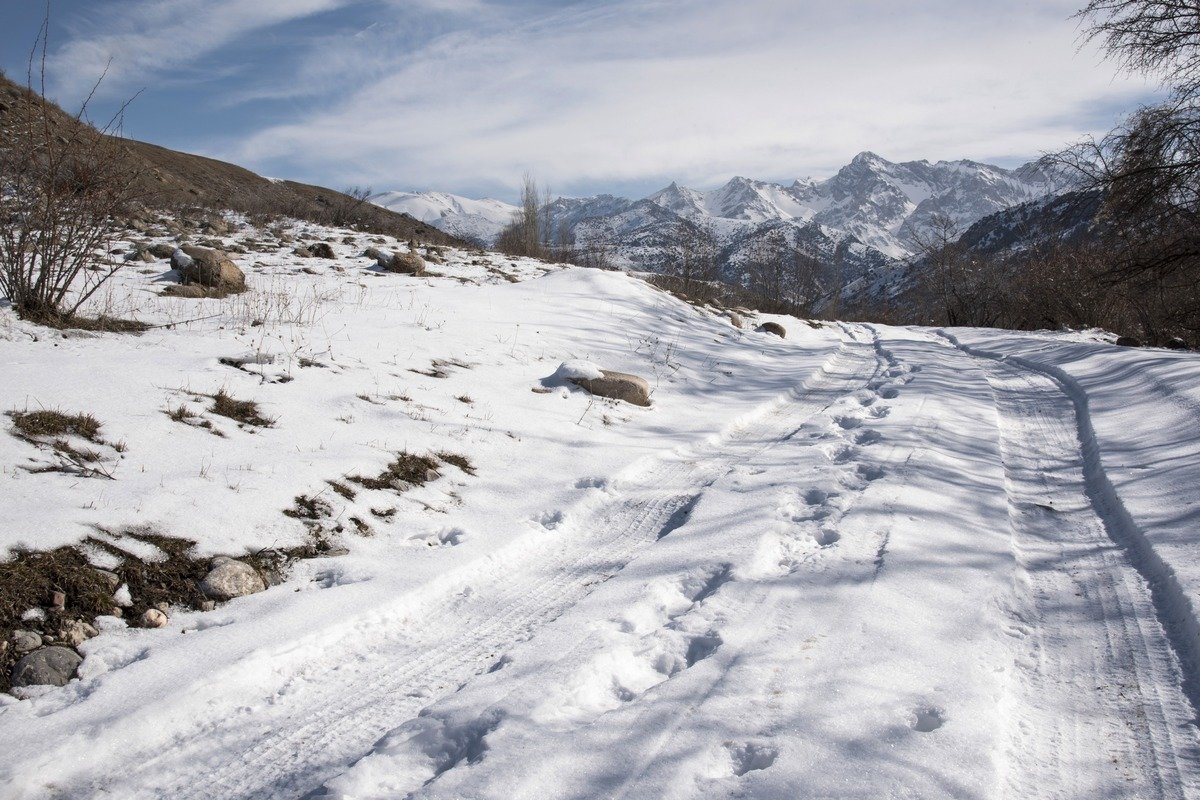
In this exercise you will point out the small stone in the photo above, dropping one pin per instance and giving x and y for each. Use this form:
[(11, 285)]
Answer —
[(24, 641), (50, 666), (163, 607), (58, 601), (116, 611), (207, 605), (229, 579), (153, 618), (75, 632)]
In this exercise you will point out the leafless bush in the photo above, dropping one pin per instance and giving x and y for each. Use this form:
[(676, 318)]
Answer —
[(62, 183)]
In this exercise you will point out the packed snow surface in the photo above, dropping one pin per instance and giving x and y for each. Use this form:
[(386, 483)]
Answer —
[(861, 561)]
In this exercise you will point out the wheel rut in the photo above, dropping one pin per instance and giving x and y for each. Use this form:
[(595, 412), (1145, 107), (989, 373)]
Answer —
[(1102, 638)]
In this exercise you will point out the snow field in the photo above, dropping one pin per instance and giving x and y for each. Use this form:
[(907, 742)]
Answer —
[(857, 562)]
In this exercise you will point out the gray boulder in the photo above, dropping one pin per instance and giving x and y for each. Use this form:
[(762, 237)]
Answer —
[(230, 578), (161, 250), (1128, 341), (321, 250), (50, 666), (1176, 343), (618, 386)]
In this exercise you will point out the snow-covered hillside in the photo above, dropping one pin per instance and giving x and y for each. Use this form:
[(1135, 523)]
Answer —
[(475, 220), (858, 561)]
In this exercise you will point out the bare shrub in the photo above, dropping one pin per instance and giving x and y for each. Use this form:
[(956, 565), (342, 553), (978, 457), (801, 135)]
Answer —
[(63, 181)]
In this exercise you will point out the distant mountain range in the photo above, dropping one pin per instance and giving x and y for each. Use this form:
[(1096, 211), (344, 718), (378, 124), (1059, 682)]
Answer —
[(863, 217)]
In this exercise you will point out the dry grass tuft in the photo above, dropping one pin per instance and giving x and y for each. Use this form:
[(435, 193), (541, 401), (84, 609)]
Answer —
[(49, 423), (462, 462), (244, 411), (406, 470)]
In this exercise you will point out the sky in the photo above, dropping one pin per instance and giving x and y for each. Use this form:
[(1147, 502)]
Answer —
[(618, 96)]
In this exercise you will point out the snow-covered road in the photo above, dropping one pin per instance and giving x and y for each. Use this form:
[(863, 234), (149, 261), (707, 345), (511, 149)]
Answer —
[(859, 562)]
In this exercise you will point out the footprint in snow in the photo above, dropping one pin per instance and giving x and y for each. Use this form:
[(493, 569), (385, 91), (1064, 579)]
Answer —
[(750, 756), (868, 438), (927, 719)]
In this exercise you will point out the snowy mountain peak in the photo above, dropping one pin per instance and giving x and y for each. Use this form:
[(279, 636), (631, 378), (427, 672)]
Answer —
[(877, 202), (475, 220)]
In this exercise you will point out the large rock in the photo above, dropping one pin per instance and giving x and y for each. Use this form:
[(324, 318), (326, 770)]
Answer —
[(162, 250), (321, 250), (1128, 341), (210, 268), (404, 263), (50, 666), (772, 328), (606, 383), (230, 578)]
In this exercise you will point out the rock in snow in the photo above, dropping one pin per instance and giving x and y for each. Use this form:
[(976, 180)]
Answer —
[(772, 327), (404, 263), (50, 666), (210, 268), (230, 578), (618, 386), (153, 618)]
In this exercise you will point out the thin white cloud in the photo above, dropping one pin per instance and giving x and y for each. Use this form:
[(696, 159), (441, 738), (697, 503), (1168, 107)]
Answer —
[(140, 39)]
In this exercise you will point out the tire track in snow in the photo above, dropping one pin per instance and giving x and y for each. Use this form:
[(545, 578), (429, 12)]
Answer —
[(1081, 693), (331, 707)]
